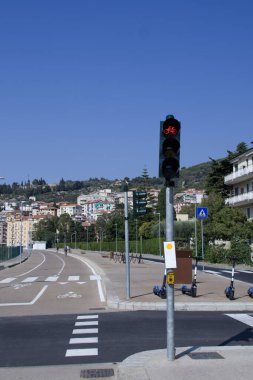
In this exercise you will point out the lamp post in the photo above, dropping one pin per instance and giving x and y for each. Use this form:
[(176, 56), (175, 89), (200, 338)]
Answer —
[(87, 238), (21, 231), (100, 235), (136, 235), (116, 238)]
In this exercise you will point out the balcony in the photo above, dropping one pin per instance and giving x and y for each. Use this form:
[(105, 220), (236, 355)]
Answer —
[(241, 200), (243, 174)]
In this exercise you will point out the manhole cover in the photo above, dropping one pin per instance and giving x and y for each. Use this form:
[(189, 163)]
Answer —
[(205, 355), (93, 373)]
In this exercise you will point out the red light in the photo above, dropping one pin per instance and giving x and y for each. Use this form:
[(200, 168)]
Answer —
[(171, 130)]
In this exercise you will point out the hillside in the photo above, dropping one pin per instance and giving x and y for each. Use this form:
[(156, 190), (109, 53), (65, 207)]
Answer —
[(192, 177)]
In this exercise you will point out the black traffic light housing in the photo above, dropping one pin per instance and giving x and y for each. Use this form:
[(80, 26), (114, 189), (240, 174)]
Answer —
[(139, 203), (169, 154)]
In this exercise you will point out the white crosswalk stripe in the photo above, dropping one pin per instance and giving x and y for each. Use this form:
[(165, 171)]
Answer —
[(7, 280), (212, 272), (30, 279), (86, 320), (54, 278), (244, 318)]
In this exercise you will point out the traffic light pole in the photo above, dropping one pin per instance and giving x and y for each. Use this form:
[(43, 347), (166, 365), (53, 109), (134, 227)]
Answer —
[(170, 287)]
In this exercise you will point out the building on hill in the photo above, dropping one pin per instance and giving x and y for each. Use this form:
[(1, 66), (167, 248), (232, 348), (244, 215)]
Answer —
[(188, 197), (241, 180)]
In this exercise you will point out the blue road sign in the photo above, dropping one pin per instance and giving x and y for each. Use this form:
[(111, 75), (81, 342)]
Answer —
[(202, 213)]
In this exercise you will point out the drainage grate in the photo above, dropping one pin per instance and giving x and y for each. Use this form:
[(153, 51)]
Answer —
[(93, 373), (205, 355)]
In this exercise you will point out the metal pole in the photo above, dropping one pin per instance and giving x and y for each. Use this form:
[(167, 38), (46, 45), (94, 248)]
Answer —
[(196, 238), (202, 244), (116, 238), (170, 287), (136, 235), (21, 231), (159, 233), (127, 244), (87, 239)]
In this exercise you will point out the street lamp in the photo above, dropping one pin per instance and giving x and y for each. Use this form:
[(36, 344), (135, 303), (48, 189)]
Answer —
[(116, 237), (136, 235), (21, 231), (87, 238), (159, 232)]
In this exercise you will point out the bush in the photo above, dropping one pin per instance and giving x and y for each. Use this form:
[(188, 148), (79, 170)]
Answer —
[(216, 254)]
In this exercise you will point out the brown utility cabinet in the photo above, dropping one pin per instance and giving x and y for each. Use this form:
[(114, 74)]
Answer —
[(183, 272)]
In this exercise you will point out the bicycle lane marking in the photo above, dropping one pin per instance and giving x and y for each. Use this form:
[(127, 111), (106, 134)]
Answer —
[(95, 277)]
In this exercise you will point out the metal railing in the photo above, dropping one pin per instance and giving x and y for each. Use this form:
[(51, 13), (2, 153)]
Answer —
[(8, 253)]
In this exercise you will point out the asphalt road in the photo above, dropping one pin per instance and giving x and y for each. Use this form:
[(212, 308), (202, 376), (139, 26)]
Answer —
[(50, 283), (50, 340)]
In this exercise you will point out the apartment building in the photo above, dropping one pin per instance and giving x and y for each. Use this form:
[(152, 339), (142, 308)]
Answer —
[(3, 231), (241, 179), (20, 229), (70, 208)]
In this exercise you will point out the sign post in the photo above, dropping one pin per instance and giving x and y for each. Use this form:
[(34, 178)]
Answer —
[(202, 213)]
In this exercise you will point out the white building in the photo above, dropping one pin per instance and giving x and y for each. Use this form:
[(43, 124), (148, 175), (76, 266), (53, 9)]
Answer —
[(241, 179), (72, 209)]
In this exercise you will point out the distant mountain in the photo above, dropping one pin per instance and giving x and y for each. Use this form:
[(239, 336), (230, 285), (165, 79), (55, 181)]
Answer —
[(68, 191), (193, 177)]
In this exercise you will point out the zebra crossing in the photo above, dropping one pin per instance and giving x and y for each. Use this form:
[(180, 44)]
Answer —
[(244, 318), (48, 279), (85, 337), (219, 273)]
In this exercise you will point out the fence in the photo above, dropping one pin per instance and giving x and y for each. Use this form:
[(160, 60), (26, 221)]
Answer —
[(8, 253)]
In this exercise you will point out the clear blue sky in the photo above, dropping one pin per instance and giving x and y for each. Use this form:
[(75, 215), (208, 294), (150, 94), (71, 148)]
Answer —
[(85, 83)]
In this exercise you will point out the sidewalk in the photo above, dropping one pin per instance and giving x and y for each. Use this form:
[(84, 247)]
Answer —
[(143, 277), (230, 363)]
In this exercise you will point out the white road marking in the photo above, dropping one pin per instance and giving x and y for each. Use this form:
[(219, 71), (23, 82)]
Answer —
[(212, 272), (87, 323), (23, 274), (98, 278), (83, 340), (73, 278), (244, 318), (82, 352), (7, 280), (27, 303), (85, 331), (228, 271), (246, 271), (52, 278), (30, 279), (95, 316)]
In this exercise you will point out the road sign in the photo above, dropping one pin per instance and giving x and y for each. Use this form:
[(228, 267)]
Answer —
[(170, 254), (202, 213)]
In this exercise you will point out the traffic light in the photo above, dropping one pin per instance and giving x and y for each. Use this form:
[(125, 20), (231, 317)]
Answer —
[(139, 203), (169, 154)]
